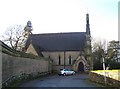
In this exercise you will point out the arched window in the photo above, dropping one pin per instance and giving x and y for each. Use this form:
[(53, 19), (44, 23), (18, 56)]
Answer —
[(59, 61), (49, 57), (70, 61)]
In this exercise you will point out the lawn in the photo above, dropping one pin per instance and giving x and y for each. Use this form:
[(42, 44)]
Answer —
[(115, 74)]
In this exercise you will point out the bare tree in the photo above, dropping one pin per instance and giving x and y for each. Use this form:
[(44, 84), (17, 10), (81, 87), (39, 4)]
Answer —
[(99, 44), (113, 50), (98, 52), (14, 37)]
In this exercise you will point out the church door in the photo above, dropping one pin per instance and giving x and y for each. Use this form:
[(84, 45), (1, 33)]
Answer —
[(80, 66)]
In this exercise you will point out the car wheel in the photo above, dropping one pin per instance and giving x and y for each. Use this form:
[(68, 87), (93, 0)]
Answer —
[(64, 74), (59, 74)]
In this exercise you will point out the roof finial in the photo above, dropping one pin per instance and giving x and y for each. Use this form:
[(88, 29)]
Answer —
[(87, 24), (28, 28)]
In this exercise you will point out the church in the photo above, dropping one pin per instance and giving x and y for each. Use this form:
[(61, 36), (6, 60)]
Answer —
[(71, 50)]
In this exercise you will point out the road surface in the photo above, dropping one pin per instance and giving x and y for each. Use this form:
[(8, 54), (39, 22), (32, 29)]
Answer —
[(77, 80)]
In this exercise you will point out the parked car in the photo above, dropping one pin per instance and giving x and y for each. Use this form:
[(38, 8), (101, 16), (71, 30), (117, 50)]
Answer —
[(66, 72)]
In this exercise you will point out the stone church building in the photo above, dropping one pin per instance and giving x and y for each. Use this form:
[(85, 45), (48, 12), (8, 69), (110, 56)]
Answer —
[(70, 50)]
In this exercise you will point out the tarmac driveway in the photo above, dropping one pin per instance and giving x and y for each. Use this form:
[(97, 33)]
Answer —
[(77, 80)]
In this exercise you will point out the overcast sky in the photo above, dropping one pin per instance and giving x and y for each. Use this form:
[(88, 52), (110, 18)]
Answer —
[(51, 16)]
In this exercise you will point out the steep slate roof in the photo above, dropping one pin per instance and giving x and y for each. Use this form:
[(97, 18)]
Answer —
[(74, 41)]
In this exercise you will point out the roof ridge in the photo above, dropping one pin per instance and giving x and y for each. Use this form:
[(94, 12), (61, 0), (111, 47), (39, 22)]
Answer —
[(59, 33)]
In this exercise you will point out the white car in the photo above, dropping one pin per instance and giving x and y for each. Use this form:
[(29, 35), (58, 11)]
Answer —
[(66, 72)]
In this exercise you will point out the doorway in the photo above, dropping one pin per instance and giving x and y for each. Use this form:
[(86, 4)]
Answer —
[(81, 67)]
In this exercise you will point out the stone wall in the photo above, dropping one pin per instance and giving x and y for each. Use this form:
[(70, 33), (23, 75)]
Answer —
[(61, 59), (55, 56), (14, 67), (31, 50), (100, 79), (63, 56)]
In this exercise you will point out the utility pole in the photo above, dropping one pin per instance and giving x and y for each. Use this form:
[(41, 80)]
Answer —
[(104, 70)]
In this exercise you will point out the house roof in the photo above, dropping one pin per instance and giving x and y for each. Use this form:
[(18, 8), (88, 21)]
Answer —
[(74, 41)]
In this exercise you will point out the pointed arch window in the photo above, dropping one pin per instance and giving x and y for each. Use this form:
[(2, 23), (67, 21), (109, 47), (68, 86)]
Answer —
[(59, 60), (70, 60), (49, 57)]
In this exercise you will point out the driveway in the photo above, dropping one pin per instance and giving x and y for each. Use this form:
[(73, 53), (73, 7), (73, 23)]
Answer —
[(77, 80)]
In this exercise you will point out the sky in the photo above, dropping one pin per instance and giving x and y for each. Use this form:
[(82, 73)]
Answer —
[(56, 16)]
